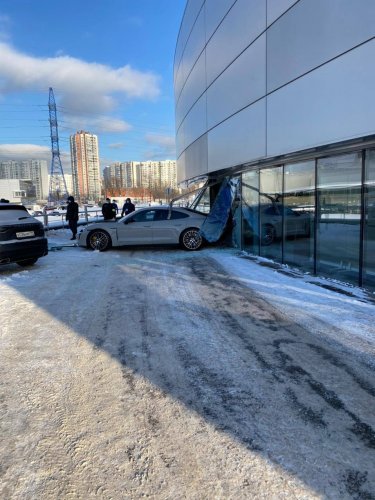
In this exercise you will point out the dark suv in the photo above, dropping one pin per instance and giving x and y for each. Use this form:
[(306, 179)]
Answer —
[(22, 237)]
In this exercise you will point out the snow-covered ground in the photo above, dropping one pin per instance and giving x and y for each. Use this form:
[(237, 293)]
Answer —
[(324, 306), (159, 373)]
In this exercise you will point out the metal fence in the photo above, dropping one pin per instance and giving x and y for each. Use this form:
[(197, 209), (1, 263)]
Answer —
[(55, 220)]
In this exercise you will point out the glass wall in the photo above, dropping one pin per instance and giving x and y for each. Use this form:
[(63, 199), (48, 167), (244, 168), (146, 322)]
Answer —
[(309, 215), (299, 214), (369, 222), (250, 212), (339, 216), (236, 212), (271, 212)]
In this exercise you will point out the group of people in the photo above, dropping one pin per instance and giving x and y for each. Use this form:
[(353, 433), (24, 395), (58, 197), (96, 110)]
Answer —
[(109, 210)]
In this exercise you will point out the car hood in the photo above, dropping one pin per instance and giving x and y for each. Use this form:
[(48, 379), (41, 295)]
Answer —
[(100, 225)]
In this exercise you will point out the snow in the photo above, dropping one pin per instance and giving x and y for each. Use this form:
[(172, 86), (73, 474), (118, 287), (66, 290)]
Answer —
[(162, 373), (344, 312)]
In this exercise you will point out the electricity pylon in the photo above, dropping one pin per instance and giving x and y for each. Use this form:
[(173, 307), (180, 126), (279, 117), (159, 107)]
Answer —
[(57, 184)]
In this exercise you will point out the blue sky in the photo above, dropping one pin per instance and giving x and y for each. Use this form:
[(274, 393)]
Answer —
[(110, 63)]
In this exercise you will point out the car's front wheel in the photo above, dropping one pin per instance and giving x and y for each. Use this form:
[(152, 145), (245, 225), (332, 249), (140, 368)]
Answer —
[(191, 239), (99, 240), (27, 262)]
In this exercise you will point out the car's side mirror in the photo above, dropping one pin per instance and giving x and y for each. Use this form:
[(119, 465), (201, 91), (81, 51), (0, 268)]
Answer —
[(129, 221)]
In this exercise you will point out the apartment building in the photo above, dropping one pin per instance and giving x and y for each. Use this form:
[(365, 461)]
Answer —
[(147, 174), (121, 175), (84, 150), (35, 171)]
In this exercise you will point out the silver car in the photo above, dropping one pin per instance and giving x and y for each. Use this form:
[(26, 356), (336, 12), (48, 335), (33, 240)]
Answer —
[(146, 226)]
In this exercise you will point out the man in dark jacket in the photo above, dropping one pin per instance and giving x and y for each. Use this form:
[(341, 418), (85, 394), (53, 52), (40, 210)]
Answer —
[(108, 210), (72, 216), (128, 207)]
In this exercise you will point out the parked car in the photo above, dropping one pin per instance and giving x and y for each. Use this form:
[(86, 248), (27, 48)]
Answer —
[(272, 218), (22, 237), (146, 226)]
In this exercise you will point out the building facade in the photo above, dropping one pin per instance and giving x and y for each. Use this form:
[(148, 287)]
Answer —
[(17, 191), (147, 174), (121, 175), (158, 174), (35, 171), (84, 151), (278, 95)]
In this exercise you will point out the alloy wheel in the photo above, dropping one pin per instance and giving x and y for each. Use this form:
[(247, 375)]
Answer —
[(192, 239)]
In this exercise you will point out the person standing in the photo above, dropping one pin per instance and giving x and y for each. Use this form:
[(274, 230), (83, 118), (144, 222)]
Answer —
[(108, 210), (128, 207), (115, 206), (72, 216)]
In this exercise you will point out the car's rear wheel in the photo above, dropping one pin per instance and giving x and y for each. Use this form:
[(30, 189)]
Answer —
[(99, 240), (27, 262), (191, 239)]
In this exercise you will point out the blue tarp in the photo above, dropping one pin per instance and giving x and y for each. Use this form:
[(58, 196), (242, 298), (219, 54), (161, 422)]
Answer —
[(214, 225)]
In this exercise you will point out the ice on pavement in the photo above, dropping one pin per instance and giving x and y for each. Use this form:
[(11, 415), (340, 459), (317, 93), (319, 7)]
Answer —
[(344, 312)]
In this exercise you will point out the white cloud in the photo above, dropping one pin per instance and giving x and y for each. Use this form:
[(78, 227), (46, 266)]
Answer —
[(83, 87), (97, 125), (24, 152), (19, 152), (5, 23), (116, 145), (164, 146)]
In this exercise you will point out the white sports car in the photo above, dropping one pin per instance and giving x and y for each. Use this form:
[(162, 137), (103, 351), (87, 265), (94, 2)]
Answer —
[(160, 225)]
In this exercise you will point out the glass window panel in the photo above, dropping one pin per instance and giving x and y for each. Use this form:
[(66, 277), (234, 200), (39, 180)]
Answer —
[(369, 223), (338, 217), (271, 212), (237, 218), (299, 214), (250, 212)]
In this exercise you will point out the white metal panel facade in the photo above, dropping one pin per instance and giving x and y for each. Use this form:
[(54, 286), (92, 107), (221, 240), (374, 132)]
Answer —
[(259, 78)]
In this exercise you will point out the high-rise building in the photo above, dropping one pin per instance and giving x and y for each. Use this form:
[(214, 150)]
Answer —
[(35, 171), (146, 174), (84, 152)]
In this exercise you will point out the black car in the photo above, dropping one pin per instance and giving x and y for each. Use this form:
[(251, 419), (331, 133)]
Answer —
[(22, 237)]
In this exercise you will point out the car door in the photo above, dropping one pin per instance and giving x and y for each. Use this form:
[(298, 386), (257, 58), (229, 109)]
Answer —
[(136, 229), (168, 226), (294, 225)]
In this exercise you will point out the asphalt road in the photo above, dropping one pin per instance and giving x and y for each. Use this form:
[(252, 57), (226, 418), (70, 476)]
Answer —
[(156, 374)]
